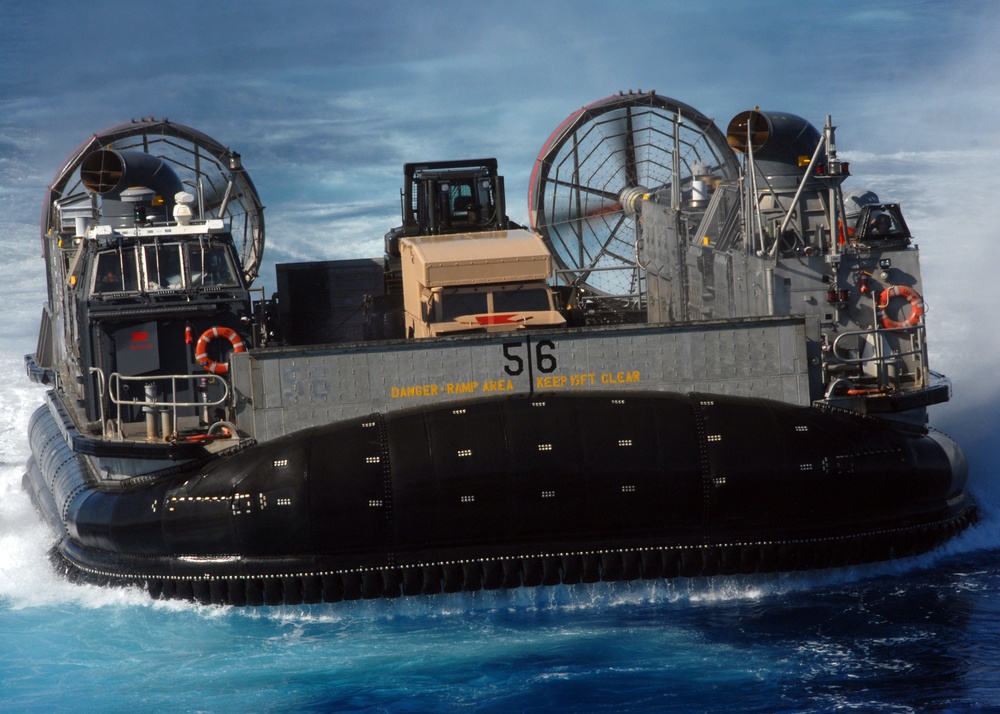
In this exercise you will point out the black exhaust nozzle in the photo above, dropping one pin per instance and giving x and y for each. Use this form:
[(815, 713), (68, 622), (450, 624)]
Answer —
[(108, 173), (778, 141)]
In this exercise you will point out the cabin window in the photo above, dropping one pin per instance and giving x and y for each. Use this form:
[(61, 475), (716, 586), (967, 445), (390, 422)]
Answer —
[(455, 304), (882, 223), (461, 199), (116, 272), (211, 266), (521, 300), (163, 267), (472, 202)]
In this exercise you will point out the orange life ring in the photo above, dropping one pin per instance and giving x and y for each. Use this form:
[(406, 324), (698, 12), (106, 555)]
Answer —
[(916, 307), (201, 348), (224, 433), (200, 437)]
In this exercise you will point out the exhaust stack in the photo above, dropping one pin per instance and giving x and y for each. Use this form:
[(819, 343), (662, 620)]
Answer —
[(781, 143), (110, 174)]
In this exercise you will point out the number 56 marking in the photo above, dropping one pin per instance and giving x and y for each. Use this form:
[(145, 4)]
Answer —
[(544, 357)]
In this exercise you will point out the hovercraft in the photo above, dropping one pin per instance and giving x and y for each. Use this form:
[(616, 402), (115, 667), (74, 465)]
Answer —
[(702, 357)]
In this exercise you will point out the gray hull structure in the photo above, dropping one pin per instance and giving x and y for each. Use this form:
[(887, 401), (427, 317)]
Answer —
[(741, 384), (288, 390)]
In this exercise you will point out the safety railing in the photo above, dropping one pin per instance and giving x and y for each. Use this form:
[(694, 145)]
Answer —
[(160, 403), (881, 352)]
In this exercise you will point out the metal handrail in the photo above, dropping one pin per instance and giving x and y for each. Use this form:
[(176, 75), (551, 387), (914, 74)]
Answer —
[(152, 406), (100, 390), (880, 359)]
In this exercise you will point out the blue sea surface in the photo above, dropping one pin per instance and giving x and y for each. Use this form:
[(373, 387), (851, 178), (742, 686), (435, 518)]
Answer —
[(914, 635), (325, 101), (907, 636)]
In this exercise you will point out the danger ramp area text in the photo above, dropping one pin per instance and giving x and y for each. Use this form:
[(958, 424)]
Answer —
[(496, 386), (451, 388)]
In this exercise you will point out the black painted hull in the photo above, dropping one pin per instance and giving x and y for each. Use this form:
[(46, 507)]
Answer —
[(517, 491)]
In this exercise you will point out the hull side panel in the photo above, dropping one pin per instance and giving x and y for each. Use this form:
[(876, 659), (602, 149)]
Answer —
[(284, 390), (517, 491)]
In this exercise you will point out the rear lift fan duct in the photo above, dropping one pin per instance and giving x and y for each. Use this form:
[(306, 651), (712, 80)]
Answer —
[(593, 173)]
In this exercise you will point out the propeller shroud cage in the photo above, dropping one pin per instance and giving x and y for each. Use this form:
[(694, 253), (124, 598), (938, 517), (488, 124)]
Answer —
[(594, 171)]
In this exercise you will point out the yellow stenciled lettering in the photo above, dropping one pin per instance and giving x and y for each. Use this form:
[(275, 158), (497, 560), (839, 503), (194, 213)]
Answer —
[(620, 377), (559, 381), (414, 390), (459, 387)]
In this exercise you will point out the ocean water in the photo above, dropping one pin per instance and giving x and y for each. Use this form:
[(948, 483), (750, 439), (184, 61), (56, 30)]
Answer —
[(325, 101), (909, 636), (916, 635)]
